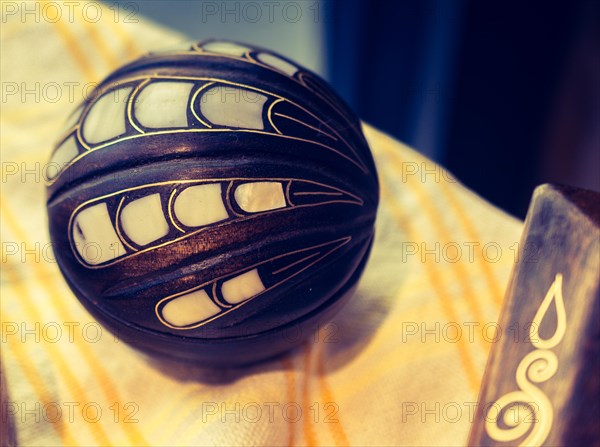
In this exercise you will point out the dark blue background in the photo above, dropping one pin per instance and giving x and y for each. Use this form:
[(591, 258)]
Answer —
[(505, 94)]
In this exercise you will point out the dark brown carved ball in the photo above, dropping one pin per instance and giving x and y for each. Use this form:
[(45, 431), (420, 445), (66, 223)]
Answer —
[(214, 203)]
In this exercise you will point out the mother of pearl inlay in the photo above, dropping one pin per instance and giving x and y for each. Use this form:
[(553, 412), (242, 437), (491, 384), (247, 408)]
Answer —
[(106, 118), (233, 107), (94, 236), (184, 45), (200, 205), (72, 119), (229, 48), (179, 190), (277, 63), (260, 196), (63, 155), (163, 104), (242, 287), (189, 308), (143, 220)]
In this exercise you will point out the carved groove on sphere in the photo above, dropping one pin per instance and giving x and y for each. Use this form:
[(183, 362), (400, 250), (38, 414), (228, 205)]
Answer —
[(125, 92), (206, 200), (288, 265), (298, 194)]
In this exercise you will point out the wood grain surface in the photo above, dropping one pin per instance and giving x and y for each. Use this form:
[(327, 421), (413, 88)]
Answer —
[(542, 381)]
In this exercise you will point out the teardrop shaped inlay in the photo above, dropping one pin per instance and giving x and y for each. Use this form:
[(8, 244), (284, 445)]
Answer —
[(554, 295)]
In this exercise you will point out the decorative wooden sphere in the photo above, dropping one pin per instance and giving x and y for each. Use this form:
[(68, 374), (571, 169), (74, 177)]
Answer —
[(215, 203)]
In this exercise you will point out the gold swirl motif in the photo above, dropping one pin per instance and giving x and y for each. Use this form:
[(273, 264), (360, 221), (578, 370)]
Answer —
[(529, 411)]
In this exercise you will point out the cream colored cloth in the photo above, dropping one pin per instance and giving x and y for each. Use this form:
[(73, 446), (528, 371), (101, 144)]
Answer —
[(400, 365)]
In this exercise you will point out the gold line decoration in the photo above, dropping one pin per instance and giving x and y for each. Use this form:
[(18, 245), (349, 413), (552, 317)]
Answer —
[(177, 131), (306, 125), (306, 80), (357, 201), (555, 296), (300, 261), (248, 58), (315, 193), (98, 94), (194, 47), (228, 200), (69, 133), (270, 116), (529, 412), (215, 297), (287, 193), (170, 209), (118, 226), (130, 102), (49, 181), (193, 100), (355, 159), (339, 244)]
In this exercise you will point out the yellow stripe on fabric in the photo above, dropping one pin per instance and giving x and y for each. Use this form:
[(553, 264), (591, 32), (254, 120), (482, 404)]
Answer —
[(290, 391), (406, 353), (433, 216), (188, 434), (10, 27), (80, 57), (381, 368), (434, 277), (62, 366), (23, 359), (100, 44), (131, 48), (166, 413), (75, 50), (101, 375), (494, 286), (27, 367), (337, 430), (309, 433), (113, 62)]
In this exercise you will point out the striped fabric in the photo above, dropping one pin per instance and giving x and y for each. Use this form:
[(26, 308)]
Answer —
[(400, 365)]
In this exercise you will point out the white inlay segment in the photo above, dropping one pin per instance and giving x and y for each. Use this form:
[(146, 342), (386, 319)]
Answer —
[(72, 119), (61, 157), (189, 308), (200, 205), (230, 48), (260, 196), (94, 235), (106, 118), (185, 45), (242, 287), (143, 220), (233, 107), (278, 63), (163, 104)]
